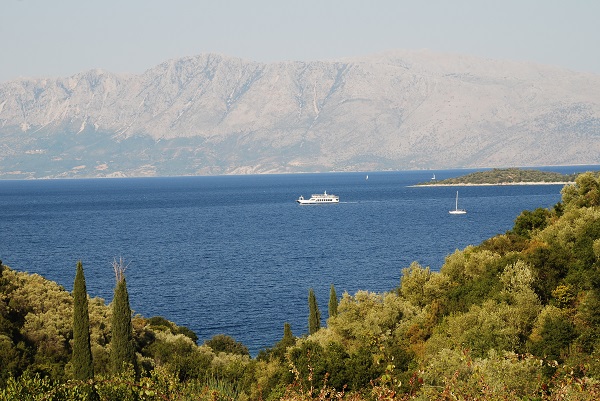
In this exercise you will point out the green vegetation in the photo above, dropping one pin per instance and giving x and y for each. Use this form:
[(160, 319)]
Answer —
[(516, 317), (81, 359), (506, 176), (333, 302), (223, 343), (83, 367), (122, 351), (314, 315)]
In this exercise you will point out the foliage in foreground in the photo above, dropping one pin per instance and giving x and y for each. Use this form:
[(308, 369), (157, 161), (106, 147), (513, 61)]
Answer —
[(83, 365), (475, 380)]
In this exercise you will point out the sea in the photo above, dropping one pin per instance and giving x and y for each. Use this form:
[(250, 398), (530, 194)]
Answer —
[(237, 255)]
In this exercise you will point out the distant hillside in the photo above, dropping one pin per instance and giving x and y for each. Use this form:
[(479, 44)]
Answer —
[(212, 114), (506, 176)]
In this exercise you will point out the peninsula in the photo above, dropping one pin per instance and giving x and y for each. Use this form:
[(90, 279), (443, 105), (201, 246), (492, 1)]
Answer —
[(508, 176)]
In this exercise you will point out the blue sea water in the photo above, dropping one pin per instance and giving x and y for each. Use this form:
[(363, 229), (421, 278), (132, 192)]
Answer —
[(235, 254)]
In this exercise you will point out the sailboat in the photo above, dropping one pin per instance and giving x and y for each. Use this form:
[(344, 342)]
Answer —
[(456, 209)]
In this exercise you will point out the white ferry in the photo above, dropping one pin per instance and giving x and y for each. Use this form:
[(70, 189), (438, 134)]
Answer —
[(319, 199)]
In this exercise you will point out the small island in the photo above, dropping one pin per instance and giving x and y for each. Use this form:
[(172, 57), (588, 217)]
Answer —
[(508, 176)]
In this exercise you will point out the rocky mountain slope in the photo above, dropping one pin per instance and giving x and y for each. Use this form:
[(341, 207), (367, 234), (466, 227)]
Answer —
[(213, 114)]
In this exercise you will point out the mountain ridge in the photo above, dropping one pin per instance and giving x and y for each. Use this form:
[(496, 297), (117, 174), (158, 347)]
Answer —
[(215, 114)]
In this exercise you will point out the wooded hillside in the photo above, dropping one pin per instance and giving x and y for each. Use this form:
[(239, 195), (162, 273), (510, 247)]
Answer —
[(498, 176)]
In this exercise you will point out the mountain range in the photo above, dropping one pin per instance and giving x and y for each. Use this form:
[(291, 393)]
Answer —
[(214, 114)]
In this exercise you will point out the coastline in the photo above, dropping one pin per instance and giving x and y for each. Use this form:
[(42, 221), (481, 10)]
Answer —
[(498, 184)]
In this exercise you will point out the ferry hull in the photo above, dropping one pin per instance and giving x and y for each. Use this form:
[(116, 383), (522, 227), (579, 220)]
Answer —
[(308, 202)]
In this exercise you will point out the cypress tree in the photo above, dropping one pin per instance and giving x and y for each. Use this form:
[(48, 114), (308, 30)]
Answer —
[(278, 351), (122, 350), (333, 302), (287, 333), (314, 316), (81, 359)]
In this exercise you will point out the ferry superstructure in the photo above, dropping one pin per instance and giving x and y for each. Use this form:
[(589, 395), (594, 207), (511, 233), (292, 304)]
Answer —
[(319, 199)]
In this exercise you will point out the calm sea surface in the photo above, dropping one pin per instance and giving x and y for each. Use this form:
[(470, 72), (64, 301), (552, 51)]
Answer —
[(235, 254)]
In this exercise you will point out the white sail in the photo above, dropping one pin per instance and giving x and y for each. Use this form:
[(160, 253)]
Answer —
[(456, 209)]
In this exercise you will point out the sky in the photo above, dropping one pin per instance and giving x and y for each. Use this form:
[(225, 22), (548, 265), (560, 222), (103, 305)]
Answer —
[(60, 38)]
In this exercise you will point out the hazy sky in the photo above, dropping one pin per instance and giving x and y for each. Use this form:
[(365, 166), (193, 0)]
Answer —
[(63, 37)]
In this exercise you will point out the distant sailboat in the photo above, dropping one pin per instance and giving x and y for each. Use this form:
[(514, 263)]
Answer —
[(367, 177), (433, 178), (456, 209)]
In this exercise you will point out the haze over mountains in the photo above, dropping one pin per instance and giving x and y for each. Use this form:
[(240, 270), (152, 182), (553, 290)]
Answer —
[(212, 114)]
